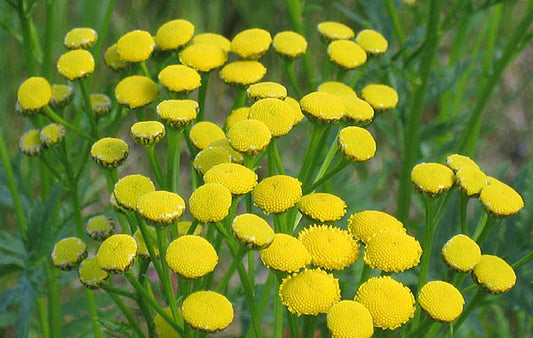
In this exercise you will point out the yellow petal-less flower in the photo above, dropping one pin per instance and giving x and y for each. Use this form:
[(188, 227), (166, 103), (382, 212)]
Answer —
[(296, 110), (456, 162), (263, 90), (142, 249), (61, 95), (135, 46), (237, 178), (162, 328), (75, 64), (147, 132), (276, 194), (210, 203), (356, 144), (68, 253), (207, 311), (179, 78), (392, 251), (286, 253), (276, 114), (235, 116), (129, 188), (242, 73), (82, 37), (252, 230), (100, 104), (112, 59), (442, 301), (213, 38), (251, 43), (136, 91), (470, 180), (500, 199), (109, 152), (336, 88), (381, 97), (372, 42), (177, 113), (309, 292), (335, 31), (357, 110), (346, 54), (191, 256), (249, 136), (289, 44), (322, 106), (52, 134), (160, 207), (350, 319), (365, 224), (390, 303), (117, 253), (184, 226), (205, 132), (90, 273), (203, 57), (236, 157), (30, 143), (34, 93), (100, 227), (432, 178), (331, 248), (209, 157), (461, 253), (174, 34), (323, 207), (494, 274)]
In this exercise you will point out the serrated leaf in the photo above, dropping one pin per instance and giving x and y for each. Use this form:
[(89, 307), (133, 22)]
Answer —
[(27, 294)]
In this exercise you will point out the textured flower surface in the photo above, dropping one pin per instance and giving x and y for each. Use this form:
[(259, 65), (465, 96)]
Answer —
[(174, 34), (275, 113), (61, 95), (210, 157), (112, 59), (147, 132), (75, 64), (249, 136), (392, 251), (371, 41), (136, 91), (109, 152), (357, 110), (203, 57), (52, 134), (356, 144), (470, 180), (441, 300), (336, 88), (494, 274), (289, 44), (461, 253), (34, 93), (90, 273), (380, 97), (252, 230), (350, 319), (251, 43), (177, 113), (129, 188), (346, 54), (213, 38), (263, 90), (237, 178), (207, 311), (30, 143), (500, 199), (191, 256), (322, 106), (100, 104), (210, 202), (135, 46), (81, 37), (117, 253), (323, 207), (179, 78), (160, 207), (432, 178), (335, 30), (276, 194), (285, 253), (100, 227), (68, 253), (205, 132), (365, 224), (242, 72), (457, 161)]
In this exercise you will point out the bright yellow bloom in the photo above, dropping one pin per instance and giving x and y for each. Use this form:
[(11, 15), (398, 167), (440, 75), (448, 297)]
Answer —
[(336, 88), (161, 207), (470, 180), (365, 224), (112, 59), (129, 188), (249, 136), (500, 199), (263, 90), (61, 95), (162, 328), (147, 132), (30, 143), (494, 274), (136, 91), (109, 152), (285, 253), (100, 104), (380, 97), (52, 134), (356, 144), (296, 110), (68, 253), (90, 273), (184, 226), (177, 113), (346, 54), (276, 194), (191, 256), (34, 93), (335, 31), (461, 253), (174, 34), (289, 44), (142, 249), (210, 157), (357, 110), (237, 178), (442, 301), (276, 114), (135, 46), (81, 37), (75, 64), (235, 116), (203, 57), (213, 38), (205, 132), (252, 230), (117, 253), (322, 106), (456, 162), (210, 203), (350, 319), (251, 43), (392, 251), (323, 207), (236, 157), (372, 42), (100, 227), (179, 78), (207, 311), (432, 178), (242, 73)]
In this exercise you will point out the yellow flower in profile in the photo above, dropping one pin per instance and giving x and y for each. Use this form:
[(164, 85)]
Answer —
[(357, 110), (34, 93), (285, 253), (500, 199), (160, 207), (100, 104), (117, 253), (205, 132), (442, 301), (494, 274), (75, 64), (129, 188), (365, 224), (289, 44), (456, 162), (191, 256), (136, 91), (135, 46), (52, 134), (276, 194), (309, 292), (237, 178), (61, 95), (349, 318), (207, 311), (296, 110), (461, 253), (174, 34), (142, 249), (356, 144), (184, 226), (242, 73), (346, 54), (209, 157), (331, 248), (263, 90), (68, 253), (252, 230), (236, 157), (276, 114), (432, 178), (336, 88), (82, 37), (203, 57), (162, 328), (392, 251), (109, 152), (323, 207), (90, 273), (249, 136), (335, 31), (322, 106), (215, 39), (235, 116), (177, 113), (30, 143), (112, 59), (251, 43), (147, 132), (390, 303), (100, 227), (372, 42), (470, 180), (210, 203), (381, 97)]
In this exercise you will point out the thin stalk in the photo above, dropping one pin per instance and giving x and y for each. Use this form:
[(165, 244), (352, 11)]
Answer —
[(43, 317), (333, 149), (523, 261), (251, 267), (165, 275), (343, 163), (433, 329), (124, 309), (308, 330), (57, 119), (110, 289), (46, 65), (27, 43), (88, 109), (278, 314), (484, 229), (263, 300), (341, 74), (365, 273), (478, 297), (318, 129), (293, 323), (463, 207), (54, 300), (173, 161), (396, 23), (288, 67), (93, 312), (202, 93), (102, 33), (223, 283), (144, 69), (239, 99), (273, 157), (154, 165)]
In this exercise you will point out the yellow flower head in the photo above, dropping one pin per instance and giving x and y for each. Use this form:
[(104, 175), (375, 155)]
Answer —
[(296, 110), (263, 90), (336, 88), (372, 42), (251, 43), (33, 94), (203, 57), (129, 188), (184, 226), (276, 194), (392, 251), (177, 113), (252, 230), (112, 59), (309, 292), (136, 91), (162, 328), (205, 132), (210, 157), (242, 73), (235, 116), (442, 301), (249, 136), (109, 152), (61, 95), (349, 318), (322, 106), (346, 54), (494, 274), (100, 104), (335, 31), (471, 180), (142, 249), (147, 132), (365, 224), (160, 207), (390, 303), (289, 44), (215, 39), (321, 206), (90, 273), (381, 97), (174, 34), (52, 134), (357, 110), (500, 199), (75, 64), (236, 157), (191, 256), (68, 253), (461, 253), (356, 144), (331, 248), (100, 227), (456, 162), (285, 253), (432, 178), (276, 114), (117, 253), (210, 203), (30, 143), (237, 178), (207, 311), (82, 37), (135, 46)]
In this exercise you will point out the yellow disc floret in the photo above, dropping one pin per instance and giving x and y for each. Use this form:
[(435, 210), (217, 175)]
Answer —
[(90, 273), (456, 162), (500, 199), (177, 113), (142, 248), (335, 31), (52, 134), (336, 88), (346, 54), (322, 106), (112, 59), (100, 227), (263, 90), (215, 39), (75, 64), (210, 157), (205, 132), (296, 109), (276, 194), (160, 207), (174, 34), (470, 180), (235, 116), (191, 256), (323, 207), (129, 188), (135, 46), (494, 274), (136, 91), (109, 152), (68, 253), (82, 37), (392, 251), (372, 42), (350, 319), (380, 97), (249, 136), (203, 57), (210, 202), (442, 301), (236, 157), (461, 253), (357, 110), (34, 93), (276, 114), (100, 104), (237, 178), (61, 95), (251, 43), (356, 144), (289, 44), (117, 253), (252, 230), (285, 253), (207, 311), (242, 73), (162, 328), (365, 224), (179, 78), (147, 132), (30, 143), (432, 178)]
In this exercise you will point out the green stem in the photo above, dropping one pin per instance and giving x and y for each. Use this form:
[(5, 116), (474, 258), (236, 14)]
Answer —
[(293, 323), (288, 67), (43, 317), (484, 228), (202, 92), (523, 261), (318, 129), (144, 69), (251, 267), (398, 30), (341, 74), (46, 65), (88, 109), (54, 300), (365, 273), (308, 330), (173, 161), (165, 275), (93, 313), (110, 289), (333, 149), (29, 57), (278, 313), (239, 99), (478, 297), (343, 163), (57, 119), (263, 300), (273, 157), (463, 207), (124, 309), (102, 33), (154, 165)]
